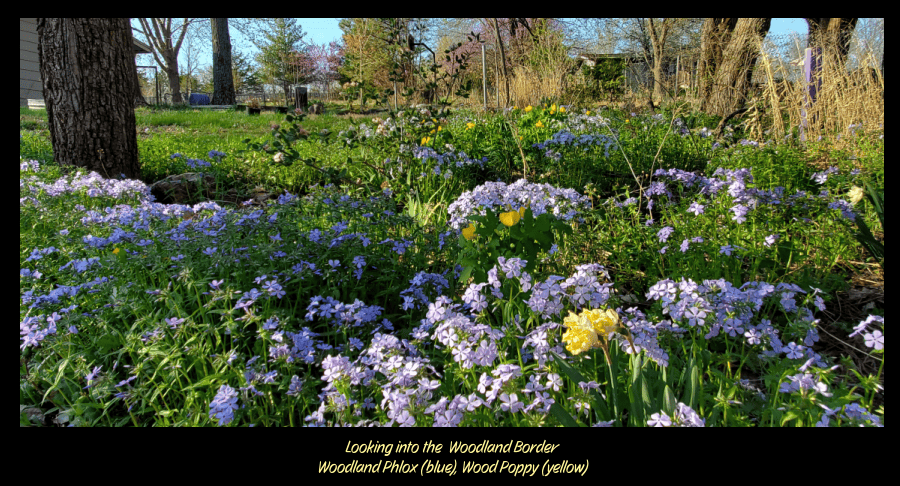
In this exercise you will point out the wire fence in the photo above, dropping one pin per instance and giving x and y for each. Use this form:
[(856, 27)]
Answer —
[(679, 69)]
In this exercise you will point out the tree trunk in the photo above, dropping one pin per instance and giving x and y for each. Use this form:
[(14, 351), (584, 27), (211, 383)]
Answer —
[(87, 66), (833, 36), (715, 35), (731, 82), (223, 82), (502, 60), (171, 68), (658, 43), (138, 96)]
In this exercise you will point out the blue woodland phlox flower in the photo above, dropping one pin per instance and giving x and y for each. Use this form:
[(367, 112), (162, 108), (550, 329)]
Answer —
[(665, 233), (223, 405)]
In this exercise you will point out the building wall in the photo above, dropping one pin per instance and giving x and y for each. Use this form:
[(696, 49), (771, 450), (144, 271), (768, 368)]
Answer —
[(30, 85), (29, 69)]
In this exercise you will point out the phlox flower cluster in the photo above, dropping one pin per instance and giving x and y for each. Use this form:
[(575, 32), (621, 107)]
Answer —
[(684, 416), (566, 138), (196, 163), (407, 385), (415, 295), (450, 159), (469, 343), (645, 335), (223, 405), (873, 339), (495, 196), (806, 383), (584, 289), (717, 306), (583, 122), (736, 185), (342, 315), (852, 412), (303, 346), (33, 332), (93, 183)]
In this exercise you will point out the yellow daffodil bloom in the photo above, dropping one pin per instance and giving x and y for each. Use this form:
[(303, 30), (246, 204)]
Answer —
[(604, 322), (528, 108), (425, 140), (587, 112), (469, 232), (590, 329), (562, 109), (856, 195), (539, 124), (440, 128)]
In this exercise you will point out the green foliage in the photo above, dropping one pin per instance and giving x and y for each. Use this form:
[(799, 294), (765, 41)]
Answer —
[(864, 235), (606, 77), (151, 312), (280, 60), (513, 234)]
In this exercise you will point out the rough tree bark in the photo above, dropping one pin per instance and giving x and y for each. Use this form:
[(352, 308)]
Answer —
[(87, 66), (658, 34), (730, 84), (223, 82), (714, 36), (833, 35)]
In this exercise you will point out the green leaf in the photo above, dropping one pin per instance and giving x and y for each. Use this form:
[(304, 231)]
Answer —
[(694, 387), (466, 273), (669, 401), (574, 375), (59, 376), (107, 343), (865, 238), (877, 200), (563, 416), (637, 387), (788, 416)]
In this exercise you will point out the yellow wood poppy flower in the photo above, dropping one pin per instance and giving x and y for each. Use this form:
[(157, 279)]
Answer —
[(512, 216)]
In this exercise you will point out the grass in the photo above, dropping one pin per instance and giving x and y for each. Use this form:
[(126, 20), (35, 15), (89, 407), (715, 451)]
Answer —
[(729, 265)]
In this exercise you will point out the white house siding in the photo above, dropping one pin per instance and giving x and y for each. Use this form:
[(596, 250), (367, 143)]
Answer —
[(30, 85), (29, 70)]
